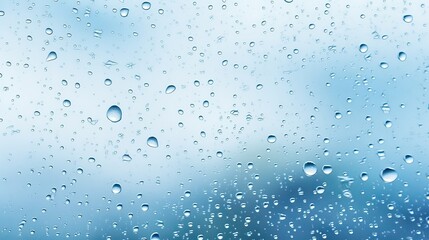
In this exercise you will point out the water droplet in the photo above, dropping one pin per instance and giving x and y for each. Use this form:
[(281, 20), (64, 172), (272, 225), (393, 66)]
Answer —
[(363, 48), (364, 176), (107, 82), (408, 18), (91, 159), (327, 169), (259, 86), (187, 213), (338, 115), (320, 189), (114, 114), (116, 188), (145, 207), (206, 103), (402, 56), (384, 65), (389, 175), (48, 31), (152, 142), (2, 13), (408, 159), (146, 5), (124, 12), (309, 168), (155, 236), (126, 158), (66, 103), (170, 89), (288, 1), (239, 195), (388, 124), (271, 139), (51, 56)]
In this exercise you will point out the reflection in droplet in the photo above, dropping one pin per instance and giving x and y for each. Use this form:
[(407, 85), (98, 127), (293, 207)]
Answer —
[(116, 188), (309, 168), (146, 5), (271, 139), (51, 56), (170, 89), (114, 114), (152, 142), (389, 175)]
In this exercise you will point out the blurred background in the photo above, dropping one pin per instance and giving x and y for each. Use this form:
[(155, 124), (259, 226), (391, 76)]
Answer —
[(214, 119)]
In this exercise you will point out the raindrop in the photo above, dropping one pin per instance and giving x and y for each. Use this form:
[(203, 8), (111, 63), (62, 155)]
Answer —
[(259, 86), (66, 103), (271, 139), (146, 5), (152, 142), (363, 48), (124, 12), (364, 176), (408, 18), (389, 175), (51, 56), (116, 188), (107, 82), (309, 168), (48, 31), (114, 114), (327, 169), (126, 158), (145, 207), (170, 89), (402, 56), (408, 159), (155, 236), (384, 65)]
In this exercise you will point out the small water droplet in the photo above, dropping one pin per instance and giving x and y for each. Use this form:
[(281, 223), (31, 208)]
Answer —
[(338, 115), (48, 31), (114, 114), (152, 142), (259, 86), (107, 82), (408, 18), (124, 12), (408, 159), (126, 158), (239, 195), (389, 175), (363, 48), (309, 168), (388, 124), (364, 176), (66, 103), (384, 65), (146, 5), (271, 139), (51, 56), (402, 56), (116, 188), (155, 236), (327, 169), (170, 89), (145, 207), (288, 1)]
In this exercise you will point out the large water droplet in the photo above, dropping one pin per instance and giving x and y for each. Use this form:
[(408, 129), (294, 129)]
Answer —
[(327, 169), (124, 12), (146, 5), (271, 139), (389, 175), (114, 114), (408, 159), (402, 56), (309, 168), (170, 89), (155, 236), (116, 188), (363, 48), (152, 142), (408, 18), (51, 56)]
